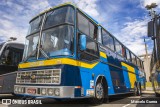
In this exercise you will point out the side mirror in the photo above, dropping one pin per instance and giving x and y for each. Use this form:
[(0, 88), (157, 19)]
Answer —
[(82, 42)]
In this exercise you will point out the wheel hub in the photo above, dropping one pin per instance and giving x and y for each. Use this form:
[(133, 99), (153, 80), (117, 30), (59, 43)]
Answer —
[(99, 91)]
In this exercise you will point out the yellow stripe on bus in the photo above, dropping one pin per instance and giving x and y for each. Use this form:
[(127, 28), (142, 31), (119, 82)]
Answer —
[(132, 75), (57, 61), (102, 54)]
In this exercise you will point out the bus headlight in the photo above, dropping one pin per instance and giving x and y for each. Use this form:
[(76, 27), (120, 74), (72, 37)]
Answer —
[(16, 89), (43, 91), (50, 91), (19, 89), (57, 91)]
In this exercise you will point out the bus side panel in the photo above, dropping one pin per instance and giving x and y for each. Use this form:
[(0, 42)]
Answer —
[(126, 79), (103, 69), (137, 75), (131, 73), (88, 81)]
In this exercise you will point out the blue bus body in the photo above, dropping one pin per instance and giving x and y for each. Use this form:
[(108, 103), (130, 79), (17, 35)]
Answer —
[(77, 77)]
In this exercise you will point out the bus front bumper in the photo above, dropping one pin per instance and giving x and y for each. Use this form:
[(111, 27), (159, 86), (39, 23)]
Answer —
[(48, 91)]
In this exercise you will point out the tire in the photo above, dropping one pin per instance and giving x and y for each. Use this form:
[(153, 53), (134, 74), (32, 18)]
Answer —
[(157, 95), (137, 89), (101, 93)]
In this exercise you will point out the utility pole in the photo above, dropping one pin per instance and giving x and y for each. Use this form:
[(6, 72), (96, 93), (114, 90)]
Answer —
[(154, 31)]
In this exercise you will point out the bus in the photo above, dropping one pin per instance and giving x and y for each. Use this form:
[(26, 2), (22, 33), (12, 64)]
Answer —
[(11, 53), (68, 54)]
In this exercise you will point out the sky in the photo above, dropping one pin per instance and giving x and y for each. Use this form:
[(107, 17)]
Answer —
[(125, 19)]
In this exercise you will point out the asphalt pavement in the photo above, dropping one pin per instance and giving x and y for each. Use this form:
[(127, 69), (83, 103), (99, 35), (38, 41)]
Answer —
[(147, 99)]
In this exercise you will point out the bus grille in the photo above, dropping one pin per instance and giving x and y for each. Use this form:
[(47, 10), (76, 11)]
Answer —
[(48, 76)]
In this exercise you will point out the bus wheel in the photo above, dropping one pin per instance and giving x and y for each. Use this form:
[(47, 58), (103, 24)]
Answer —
[(139, 92), (135, 89), (100, 92), (157, 95)]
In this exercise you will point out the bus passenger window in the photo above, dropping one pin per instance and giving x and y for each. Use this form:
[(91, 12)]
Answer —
[(123, 52), (107, 40), (138, 62), (128, 55), (91, 53), (93, 31), (118, 47), (133, 58)]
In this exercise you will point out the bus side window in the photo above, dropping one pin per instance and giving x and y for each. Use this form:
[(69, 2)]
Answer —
[(133, 58), (93, 31), (118, 47), (124, 52), (91, 53), (138, 62), (107, 40), (128, 55)]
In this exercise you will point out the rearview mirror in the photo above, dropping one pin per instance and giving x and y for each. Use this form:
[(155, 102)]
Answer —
[(82, 42)]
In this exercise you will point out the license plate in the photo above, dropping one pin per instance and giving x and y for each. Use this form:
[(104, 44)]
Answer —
[(31, 91)]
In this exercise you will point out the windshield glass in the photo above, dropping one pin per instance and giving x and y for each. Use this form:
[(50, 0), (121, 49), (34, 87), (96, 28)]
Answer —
[(57, 41), (35, 25), (57, 34), (31, 45), (59, 16)]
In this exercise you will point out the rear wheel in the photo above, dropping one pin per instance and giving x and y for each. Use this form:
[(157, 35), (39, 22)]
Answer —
[(157, 95), (139, 92), (137, 89)]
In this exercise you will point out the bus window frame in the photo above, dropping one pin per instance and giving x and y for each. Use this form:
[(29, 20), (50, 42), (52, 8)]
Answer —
[(110, 36), (88, 36)]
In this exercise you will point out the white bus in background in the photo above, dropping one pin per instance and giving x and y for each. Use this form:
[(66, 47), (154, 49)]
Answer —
[(10, 55)]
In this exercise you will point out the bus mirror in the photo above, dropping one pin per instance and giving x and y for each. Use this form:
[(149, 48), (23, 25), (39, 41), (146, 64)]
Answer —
[(82, 42)]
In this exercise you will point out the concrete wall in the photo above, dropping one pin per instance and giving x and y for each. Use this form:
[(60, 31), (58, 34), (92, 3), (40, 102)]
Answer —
[(147, 61)]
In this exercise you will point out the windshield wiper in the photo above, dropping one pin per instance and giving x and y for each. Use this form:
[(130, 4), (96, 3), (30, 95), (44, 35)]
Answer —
[(44, 53)]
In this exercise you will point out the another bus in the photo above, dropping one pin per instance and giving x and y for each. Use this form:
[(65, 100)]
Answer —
[(70, 55), (11, 53)]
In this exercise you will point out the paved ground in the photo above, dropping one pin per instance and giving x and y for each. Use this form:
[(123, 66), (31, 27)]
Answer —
[(114, 101)]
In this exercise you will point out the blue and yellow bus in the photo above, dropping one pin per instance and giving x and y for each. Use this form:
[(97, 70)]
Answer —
[(68, 54)]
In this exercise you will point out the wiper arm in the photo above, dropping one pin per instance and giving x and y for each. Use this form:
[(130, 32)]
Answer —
[(44, 53)]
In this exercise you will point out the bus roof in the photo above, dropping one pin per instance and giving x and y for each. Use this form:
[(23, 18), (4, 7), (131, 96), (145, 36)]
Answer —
[(66, 4)]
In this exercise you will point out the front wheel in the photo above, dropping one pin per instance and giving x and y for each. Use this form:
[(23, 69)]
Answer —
[(100, 93)]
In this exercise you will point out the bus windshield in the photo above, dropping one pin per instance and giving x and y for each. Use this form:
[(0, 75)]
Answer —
[(57, 33), (57, 41)]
